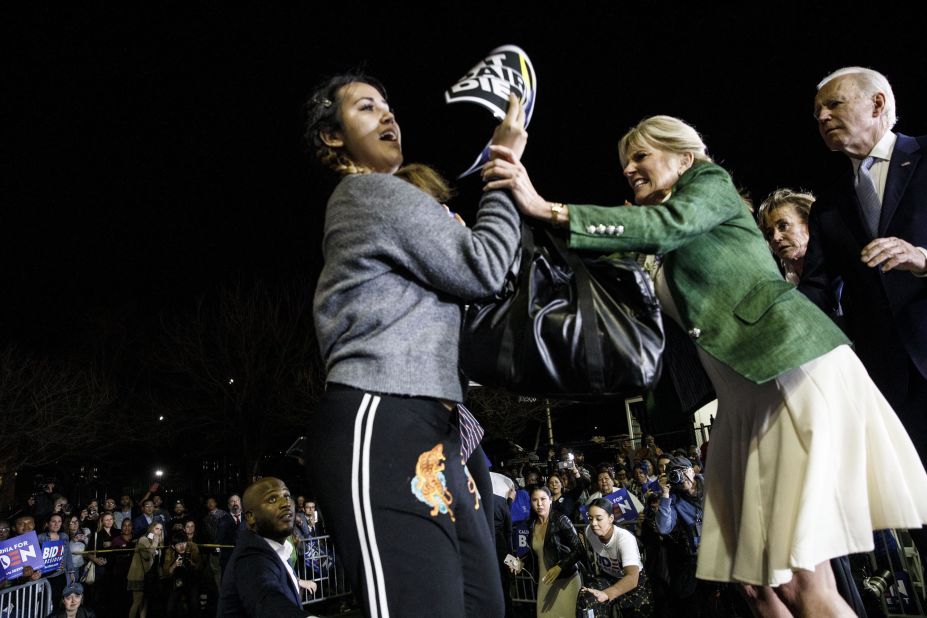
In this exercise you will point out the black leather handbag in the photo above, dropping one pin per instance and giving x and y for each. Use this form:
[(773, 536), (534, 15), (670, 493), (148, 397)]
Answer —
[(566, 325)]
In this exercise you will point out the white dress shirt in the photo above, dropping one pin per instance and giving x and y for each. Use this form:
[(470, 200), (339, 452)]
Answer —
[(283, 551)]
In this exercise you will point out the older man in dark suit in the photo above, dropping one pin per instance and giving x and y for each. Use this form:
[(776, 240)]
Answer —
[(870, 231), (258, 580)]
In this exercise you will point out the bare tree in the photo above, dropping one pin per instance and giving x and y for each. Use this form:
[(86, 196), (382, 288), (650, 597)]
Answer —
[(239, 372), (51, 411), (505, 415)]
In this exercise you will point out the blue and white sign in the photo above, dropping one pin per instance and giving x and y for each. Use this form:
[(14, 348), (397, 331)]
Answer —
[(622, 507), (52, 555), (521, 539), (19, 552)]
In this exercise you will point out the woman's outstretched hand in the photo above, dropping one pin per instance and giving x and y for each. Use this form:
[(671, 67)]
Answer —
[(600, 597), (505, 171), (511, 131)]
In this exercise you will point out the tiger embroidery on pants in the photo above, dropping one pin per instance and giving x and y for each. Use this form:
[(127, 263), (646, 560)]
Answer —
[(429, 484), (471, 486)]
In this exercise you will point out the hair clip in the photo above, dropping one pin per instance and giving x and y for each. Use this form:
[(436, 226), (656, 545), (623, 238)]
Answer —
[(323, 102)]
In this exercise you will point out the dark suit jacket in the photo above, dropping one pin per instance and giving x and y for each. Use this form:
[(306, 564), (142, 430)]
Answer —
[(227, 532), (502, 519), (885, 313), (318, 529), (256, 583), (140, 525)]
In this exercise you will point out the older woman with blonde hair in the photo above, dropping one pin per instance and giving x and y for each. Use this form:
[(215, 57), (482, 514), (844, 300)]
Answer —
[(794, 402), (783, 218)]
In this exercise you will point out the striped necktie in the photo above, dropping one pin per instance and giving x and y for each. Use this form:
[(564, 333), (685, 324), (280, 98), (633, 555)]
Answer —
[(870, 206)]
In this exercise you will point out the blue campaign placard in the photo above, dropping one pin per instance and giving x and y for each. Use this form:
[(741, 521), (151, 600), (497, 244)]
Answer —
[(18, 552), (622, 507), (521, 535), (52, 555)]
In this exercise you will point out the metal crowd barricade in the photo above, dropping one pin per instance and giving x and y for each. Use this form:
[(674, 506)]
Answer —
[(317, 561), (896, 574), (29, 600), (522, 586)]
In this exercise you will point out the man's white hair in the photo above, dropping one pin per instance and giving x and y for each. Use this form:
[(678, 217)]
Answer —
[(869, 82)]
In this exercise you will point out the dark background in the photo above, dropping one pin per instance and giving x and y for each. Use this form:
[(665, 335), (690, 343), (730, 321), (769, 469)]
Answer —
[(152, 154)]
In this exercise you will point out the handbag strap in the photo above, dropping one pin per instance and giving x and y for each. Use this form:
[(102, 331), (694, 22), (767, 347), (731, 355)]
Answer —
[(514, 330), (585, 304)]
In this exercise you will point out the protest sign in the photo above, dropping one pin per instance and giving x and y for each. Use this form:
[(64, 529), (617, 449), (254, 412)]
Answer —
[(504, 70), (18, 552)]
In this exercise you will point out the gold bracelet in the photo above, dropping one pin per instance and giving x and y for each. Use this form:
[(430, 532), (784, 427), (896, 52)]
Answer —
[(556, 208)]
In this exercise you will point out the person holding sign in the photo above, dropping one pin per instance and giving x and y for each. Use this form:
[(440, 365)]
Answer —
[(56, 550), (605, 482), (792, 395), (387, 448), (619, 561)]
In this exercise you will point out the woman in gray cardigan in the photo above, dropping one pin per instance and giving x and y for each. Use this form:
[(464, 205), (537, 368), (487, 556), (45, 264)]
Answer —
[(385, 451)]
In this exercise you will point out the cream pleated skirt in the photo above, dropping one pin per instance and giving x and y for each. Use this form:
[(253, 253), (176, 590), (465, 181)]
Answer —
[(801, 469)]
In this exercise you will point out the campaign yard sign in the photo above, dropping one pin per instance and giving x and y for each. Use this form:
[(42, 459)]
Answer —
[(506, 69), (19, 552)]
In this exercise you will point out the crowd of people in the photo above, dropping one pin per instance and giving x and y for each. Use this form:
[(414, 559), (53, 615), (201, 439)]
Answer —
[(138, 558), (644, 563), (396, 456)]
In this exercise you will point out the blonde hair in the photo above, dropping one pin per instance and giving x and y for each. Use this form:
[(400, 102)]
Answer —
[(426, 179), (663, 133), (801, 201)]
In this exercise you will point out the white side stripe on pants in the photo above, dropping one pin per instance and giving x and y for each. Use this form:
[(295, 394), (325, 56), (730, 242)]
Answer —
[(360, 495)]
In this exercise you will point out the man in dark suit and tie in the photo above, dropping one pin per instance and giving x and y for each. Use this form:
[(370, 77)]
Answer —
[(228, 528), (870, 232), (258, 580)]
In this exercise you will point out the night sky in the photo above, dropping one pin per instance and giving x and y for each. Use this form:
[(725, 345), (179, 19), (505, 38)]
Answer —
[(153, 154)]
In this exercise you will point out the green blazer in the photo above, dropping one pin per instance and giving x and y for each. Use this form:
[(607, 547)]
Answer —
[(731, 297)]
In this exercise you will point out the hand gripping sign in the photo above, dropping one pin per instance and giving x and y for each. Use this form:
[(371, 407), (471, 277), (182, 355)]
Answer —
[(505, 69), (21, 551)]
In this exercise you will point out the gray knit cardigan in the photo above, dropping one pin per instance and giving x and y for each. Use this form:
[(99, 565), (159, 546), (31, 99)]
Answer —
[(397, 271)]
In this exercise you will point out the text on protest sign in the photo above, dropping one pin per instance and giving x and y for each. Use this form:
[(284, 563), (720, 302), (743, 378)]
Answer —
[(505, 70)]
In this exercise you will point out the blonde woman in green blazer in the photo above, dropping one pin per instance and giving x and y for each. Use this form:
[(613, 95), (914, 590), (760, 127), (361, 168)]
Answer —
[(799, 422)]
